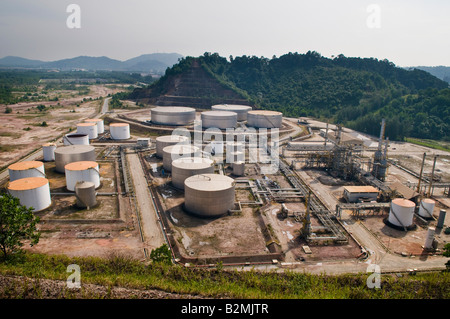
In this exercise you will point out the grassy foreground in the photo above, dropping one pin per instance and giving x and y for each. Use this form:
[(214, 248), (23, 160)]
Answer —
[(439, 145), (120, 271)]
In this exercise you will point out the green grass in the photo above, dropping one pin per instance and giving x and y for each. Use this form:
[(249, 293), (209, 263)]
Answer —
[(125, 272), (439, 145)]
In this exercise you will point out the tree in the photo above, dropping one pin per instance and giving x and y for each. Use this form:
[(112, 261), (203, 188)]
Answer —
[(446, 253), (17, 224), (161, 255)]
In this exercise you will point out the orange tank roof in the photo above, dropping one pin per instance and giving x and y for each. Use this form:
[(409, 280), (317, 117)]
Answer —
[(86, 124), (23, 166), (81, 166), (119, 124), (29, 183)]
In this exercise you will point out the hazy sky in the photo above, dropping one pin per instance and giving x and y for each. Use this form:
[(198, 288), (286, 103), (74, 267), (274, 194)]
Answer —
[(406, 32)]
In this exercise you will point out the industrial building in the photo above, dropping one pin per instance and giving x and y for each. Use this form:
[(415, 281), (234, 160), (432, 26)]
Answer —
[(355, 194)]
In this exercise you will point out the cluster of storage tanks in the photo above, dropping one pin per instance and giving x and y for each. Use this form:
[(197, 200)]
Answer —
[(221, 116), (91, 129)]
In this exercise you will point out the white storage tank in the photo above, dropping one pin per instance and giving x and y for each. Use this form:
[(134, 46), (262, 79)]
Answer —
[(26, 169), (240, 110), (84, 171), (401, 213), (73, 153), (76, 139), (426, 208), (209, 195), (430, 238), (169, 140), (119, 131), (48, 150), (183, 168), (172, 115), (264, 119), (219, 119), (90, 129), (32, 192), (173, 152), (233, 157), (100, 125)]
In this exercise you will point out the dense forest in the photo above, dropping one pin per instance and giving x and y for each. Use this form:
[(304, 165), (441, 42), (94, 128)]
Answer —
[(355, 92)]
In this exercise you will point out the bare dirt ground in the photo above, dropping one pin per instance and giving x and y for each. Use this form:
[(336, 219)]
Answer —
[(21, 131)]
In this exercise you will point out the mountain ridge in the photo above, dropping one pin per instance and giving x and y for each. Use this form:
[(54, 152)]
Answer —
[(153, 63)]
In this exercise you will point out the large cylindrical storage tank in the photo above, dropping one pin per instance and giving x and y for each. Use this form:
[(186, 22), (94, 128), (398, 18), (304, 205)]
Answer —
[(86, 195), (183, 168), (264, 119), (173, 152), (219, 119), (76, 139), (119, 131), (32, 192), (169, 140), (240, 110), (173, 115), (90, 129), (426, 208), (87, 171), (209, 195), (233, 157), (48, 150), (26, 169), (73, 153), (100, 125), (402, 212)]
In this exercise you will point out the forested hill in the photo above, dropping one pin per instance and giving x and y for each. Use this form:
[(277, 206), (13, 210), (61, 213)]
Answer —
[(356, 92)]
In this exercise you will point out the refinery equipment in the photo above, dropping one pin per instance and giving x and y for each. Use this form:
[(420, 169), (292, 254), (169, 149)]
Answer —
[(264, 119), (48, 149), (173, 115), (31, 192), (173, 152), (209, 195), (169, 140), (90, 129), (219, 119), (183, 168), (240, 110), (26, 169), (76, 139), (119, 131), (100, 125), (73, 153), (87, 171), (85, 194)]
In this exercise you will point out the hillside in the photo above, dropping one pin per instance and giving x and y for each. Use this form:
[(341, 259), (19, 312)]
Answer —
[(356, 92), (441, 72)]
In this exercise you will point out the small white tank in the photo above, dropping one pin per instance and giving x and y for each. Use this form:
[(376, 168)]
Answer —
[(31, 192), (86, 195), (239, 168), (26, 169), (84, 171), (88, 128), (48, 150), (76, 139), (168, 140), (183, 168), (100, 125), (173, 152), (426, 208), (119, 131), (402, 212)]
